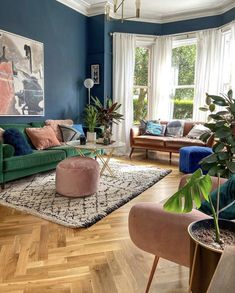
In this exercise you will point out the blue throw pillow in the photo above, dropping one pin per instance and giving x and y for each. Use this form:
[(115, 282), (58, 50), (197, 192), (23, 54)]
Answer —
[(15, 138), (79, 128), (227, 201), (153, 128)]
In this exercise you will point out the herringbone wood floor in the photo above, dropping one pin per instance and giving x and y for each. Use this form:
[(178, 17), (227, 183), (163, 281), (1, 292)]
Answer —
[(38, 256)]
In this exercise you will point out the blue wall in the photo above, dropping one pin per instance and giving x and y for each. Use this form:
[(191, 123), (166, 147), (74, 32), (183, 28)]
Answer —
[(63, 32)]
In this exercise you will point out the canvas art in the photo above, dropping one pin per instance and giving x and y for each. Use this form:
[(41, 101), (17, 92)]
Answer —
[(95, 73), (21, 76)]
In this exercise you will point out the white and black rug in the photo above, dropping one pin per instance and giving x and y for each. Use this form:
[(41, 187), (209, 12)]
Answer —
[(36, 195)]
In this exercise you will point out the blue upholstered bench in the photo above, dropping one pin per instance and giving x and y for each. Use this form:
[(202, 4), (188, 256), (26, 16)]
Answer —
[(191, 156)]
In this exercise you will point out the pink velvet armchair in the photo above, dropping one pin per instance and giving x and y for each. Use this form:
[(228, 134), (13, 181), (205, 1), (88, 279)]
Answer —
[(159, 233)]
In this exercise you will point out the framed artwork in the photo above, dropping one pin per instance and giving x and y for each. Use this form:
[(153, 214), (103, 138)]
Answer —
[(21, 76), (95, 73)]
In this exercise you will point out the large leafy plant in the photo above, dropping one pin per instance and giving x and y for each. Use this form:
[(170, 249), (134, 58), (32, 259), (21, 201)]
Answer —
[(220, 163), (197, 188), (221, 124), (107, 113)]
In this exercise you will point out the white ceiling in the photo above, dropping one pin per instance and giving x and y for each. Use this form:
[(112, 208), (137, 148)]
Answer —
[(158, 10)]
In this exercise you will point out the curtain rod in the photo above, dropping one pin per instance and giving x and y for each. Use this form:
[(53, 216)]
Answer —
[(177, 34)]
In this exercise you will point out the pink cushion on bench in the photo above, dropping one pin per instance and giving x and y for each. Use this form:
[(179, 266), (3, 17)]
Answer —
[(77, 177)]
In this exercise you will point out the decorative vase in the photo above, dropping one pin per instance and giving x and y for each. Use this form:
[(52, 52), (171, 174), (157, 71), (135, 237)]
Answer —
[(204, 257), (91, 137), (107, 135)]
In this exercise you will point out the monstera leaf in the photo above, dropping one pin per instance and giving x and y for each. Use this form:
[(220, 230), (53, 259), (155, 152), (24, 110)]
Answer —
[(197, 187)]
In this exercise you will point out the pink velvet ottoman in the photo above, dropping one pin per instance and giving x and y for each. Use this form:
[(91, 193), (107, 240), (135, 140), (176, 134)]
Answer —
[(77, 177)]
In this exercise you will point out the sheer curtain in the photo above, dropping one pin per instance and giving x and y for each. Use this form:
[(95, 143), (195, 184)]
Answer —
[(160, 79), (232, 52), (123, 80), (207, 79)]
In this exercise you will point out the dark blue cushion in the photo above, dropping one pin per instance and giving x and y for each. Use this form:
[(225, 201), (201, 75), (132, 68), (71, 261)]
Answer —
[(15, 138), (191, 156), (227, 201)]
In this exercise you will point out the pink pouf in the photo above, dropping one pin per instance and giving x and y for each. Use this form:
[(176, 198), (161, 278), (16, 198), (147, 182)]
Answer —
[(77, 177)]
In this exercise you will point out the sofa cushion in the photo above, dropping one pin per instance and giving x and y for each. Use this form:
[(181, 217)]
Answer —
[(37, 158), (175, 128), (179, 142), (149, 140), (54, 124), (17, 139), (43, 137), (69, 133), (153, 128), (197, 131)]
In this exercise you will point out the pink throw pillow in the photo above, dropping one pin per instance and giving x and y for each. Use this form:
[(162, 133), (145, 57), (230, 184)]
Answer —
[(54, 124), (42, 138)]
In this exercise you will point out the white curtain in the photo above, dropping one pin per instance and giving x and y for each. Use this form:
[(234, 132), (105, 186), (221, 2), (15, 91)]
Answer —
[(232, 56), (160, 79), (123, 80), (208, 63)]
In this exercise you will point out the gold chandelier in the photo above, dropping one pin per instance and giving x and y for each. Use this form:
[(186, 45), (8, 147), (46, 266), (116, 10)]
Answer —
[(119, 5)]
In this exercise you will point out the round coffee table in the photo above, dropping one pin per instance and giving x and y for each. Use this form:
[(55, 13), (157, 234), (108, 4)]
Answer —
[(96, 149)]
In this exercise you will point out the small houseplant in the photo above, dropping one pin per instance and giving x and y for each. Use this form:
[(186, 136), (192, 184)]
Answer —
[(91, 121), (106, 115)]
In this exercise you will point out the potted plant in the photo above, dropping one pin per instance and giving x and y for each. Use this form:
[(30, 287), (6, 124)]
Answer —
[(107, 115), (221, 164), (222, 125), (90, 121)]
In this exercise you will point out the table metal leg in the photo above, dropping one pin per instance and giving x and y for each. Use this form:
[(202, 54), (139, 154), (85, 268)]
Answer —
[(106, 163)]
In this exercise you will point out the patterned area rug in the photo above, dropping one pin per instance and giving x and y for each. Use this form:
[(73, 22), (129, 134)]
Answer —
[(36, 195)]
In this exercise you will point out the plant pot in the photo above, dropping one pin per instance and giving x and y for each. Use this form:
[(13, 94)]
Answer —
[(204, 258), (208, 225), (91, 137)]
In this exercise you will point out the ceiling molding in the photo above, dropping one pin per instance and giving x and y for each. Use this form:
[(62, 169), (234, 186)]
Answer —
[(99, 8), (77, 5)]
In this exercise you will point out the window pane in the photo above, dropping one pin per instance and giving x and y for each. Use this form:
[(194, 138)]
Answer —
[(141, 66), (183, 103), (140, 104), (184, 94), (183, 62)]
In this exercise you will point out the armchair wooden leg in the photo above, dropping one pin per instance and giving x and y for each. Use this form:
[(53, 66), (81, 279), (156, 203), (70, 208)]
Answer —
[(155, 262), (146, 153), (3, 186), (132, 150), (170, 156)]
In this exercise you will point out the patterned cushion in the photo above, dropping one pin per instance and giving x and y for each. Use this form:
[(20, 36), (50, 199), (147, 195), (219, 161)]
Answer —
[(197, 131), (79, 128), (175, 128), (54, 124), (153, 128), (69, 133), (143, 126)]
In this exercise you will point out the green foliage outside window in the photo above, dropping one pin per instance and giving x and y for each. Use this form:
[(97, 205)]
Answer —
[(141, 66), (183, 58)]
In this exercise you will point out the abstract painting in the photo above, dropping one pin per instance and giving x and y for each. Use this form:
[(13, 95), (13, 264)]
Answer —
[(21, 76)]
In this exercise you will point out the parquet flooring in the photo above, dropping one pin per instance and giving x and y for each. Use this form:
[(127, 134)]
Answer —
[(37, 256)]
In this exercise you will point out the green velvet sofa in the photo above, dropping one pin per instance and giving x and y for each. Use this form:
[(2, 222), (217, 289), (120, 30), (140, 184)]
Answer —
[(14, 167)]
